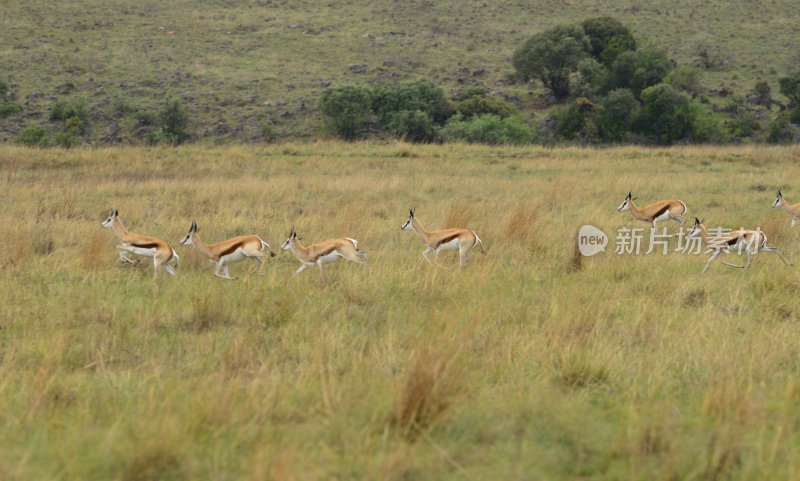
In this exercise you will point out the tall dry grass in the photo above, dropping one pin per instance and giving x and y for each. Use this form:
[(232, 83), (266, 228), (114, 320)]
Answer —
[(531, 362)]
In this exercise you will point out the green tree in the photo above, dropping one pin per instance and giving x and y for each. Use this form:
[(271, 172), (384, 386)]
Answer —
[(551, 56), (481, 104), (608, 38), (639, 70), (422, 95), (665, 115), (487, 129), (615, 118), (174, 122), (790, 87), (411, 109), (348, 107), (412, 125)]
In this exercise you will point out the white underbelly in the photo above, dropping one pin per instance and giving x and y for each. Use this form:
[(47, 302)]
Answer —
[(330, 257), (150, 252), (664, 216), (233, 256), (450, 246)]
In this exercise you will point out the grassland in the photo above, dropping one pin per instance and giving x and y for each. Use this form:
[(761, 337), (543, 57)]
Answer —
[(529, 363), (246, 71)]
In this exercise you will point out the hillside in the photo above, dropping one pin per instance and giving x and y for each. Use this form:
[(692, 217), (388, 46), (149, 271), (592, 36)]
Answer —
[(250, 71)]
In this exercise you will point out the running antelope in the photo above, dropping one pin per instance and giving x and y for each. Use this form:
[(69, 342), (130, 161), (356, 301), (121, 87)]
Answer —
[(141, 245), (228, 251), (324, 252), (661, 210), (792, 209), (443, 240), (751, 241)]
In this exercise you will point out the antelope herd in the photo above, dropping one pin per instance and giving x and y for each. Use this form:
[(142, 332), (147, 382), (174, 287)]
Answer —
[(748, 240), (226, 252)]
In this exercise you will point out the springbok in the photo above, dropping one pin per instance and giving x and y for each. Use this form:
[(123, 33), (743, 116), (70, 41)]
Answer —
[(323, 252), (141, 245), (661, 210), (792, 209), (444, 240), (228, 251), (752, 241)]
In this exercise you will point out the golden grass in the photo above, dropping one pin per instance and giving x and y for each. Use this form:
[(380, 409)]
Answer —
[(531, 362)]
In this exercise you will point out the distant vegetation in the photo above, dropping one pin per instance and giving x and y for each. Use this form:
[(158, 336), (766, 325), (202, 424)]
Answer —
[(234, 73)]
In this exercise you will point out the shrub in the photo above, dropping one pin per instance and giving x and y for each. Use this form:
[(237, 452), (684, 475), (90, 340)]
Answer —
[(488, 129), (7, 109), (706, 125), (639, 70), (790, 87), (593, 79), (471, 92), (781, 130), (711, 53), (686, 78), (550, 56), (419, 95), (615, 118), (478, 105), (348, 107), (69, 137), (608, 38), (32, 136), (67, 110), (413, 125), (665, 116), (173, 122)]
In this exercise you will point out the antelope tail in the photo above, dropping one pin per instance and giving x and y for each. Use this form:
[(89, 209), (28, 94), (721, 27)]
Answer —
[(479, 241)]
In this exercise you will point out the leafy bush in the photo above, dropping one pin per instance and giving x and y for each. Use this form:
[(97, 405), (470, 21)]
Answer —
[(69, 137), (782, 131), (744, 125), (615, 117), (7, 109), (551, 56), (348, 107), (593, 79), (665, 116), (706, 125), (608, 38), (571, 121), (471, 92), (32, 136), (488, 129), (173, 122), (413, 125), (67, 110), (688, 79), (419, 95), (790, 87), (480, 104), (639, 70)]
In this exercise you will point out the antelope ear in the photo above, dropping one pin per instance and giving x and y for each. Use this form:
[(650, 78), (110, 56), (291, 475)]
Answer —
[(702, 220)]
